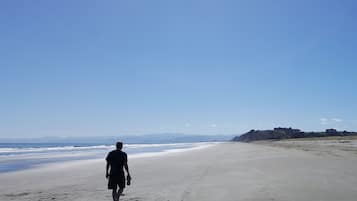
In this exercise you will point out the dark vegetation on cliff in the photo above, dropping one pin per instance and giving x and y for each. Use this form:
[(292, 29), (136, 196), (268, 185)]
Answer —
[(287, 133)]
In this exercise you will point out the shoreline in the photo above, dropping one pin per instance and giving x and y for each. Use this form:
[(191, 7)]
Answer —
[(68, 158)]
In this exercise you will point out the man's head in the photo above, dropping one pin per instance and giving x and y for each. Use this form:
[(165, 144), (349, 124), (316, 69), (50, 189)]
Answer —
[(119, 145)]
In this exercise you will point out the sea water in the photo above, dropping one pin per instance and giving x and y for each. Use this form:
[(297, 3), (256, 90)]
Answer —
[(20, 156)]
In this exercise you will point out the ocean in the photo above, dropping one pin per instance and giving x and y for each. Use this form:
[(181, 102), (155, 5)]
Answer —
[(21, 156)]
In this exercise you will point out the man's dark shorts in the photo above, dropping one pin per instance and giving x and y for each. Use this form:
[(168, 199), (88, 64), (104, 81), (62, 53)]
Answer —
[(116, 180)]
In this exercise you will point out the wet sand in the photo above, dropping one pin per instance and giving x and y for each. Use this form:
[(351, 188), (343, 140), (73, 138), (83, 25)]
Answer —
[(224, 172)]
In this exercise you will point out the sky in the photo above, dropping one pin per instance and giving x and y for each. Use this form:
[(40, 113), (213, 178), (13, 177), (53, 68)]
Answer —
[(120, 67)]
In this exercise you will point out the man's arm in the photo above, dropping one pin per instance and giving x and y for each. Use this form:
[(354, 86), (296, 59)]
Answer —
[(107, 171), (127, 168)]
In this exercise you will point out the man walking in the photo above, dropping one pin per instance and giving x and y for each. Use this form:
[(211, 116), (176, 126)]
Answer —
[(117, 160)]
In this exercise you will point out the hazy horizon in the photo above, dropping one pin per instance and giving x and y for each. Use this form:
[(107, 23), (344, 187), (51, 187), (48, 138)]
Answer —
[(120, 135), (83, 68), (156, 134)]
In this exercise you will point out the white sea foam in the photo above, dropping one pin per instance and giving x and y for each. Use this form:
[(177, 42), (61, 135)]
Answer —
[(79, 148), (18, 158), (46, 149), (197, 146)]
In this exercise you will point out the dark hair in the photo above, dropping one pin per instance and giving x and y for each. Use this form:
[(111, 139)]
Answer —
[(119, 145)]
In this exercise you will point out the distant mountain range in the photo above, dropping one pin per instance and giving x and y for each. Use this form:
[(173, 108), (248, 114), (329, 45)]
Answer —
[(286, 133), (129, 139)]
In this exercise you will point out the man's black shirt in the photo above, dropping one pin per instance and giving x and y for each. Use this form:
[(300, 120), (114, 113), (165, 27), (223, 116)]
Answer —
[(117, 159)]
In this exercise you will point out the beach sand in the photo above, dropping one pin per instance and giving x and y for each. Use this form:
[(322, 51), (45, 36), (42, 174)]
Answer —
[(225, 172)]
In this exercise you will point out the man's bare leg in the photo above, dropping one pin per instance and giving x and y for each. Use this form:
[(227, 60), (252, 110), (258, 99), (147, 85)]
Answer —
[(115, 195), (120, 191)]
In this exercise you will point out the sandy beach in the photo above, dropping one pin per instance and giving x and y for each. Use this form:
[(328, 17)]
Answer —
[(279, 171)]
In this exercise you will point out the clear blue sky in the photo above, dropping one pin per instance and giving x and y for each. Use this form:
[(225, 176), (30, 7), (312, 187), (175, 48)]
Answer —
[(91, 68)]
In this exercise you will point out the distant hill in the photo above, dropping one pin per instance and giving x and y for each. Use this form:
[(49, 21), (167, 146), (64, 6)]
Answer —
[(129, 139), (286, 133)]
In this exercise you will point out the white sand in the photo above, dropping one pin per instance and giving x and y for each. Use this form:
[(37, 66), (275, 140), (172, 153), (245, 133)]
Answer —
[(232, 171)]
